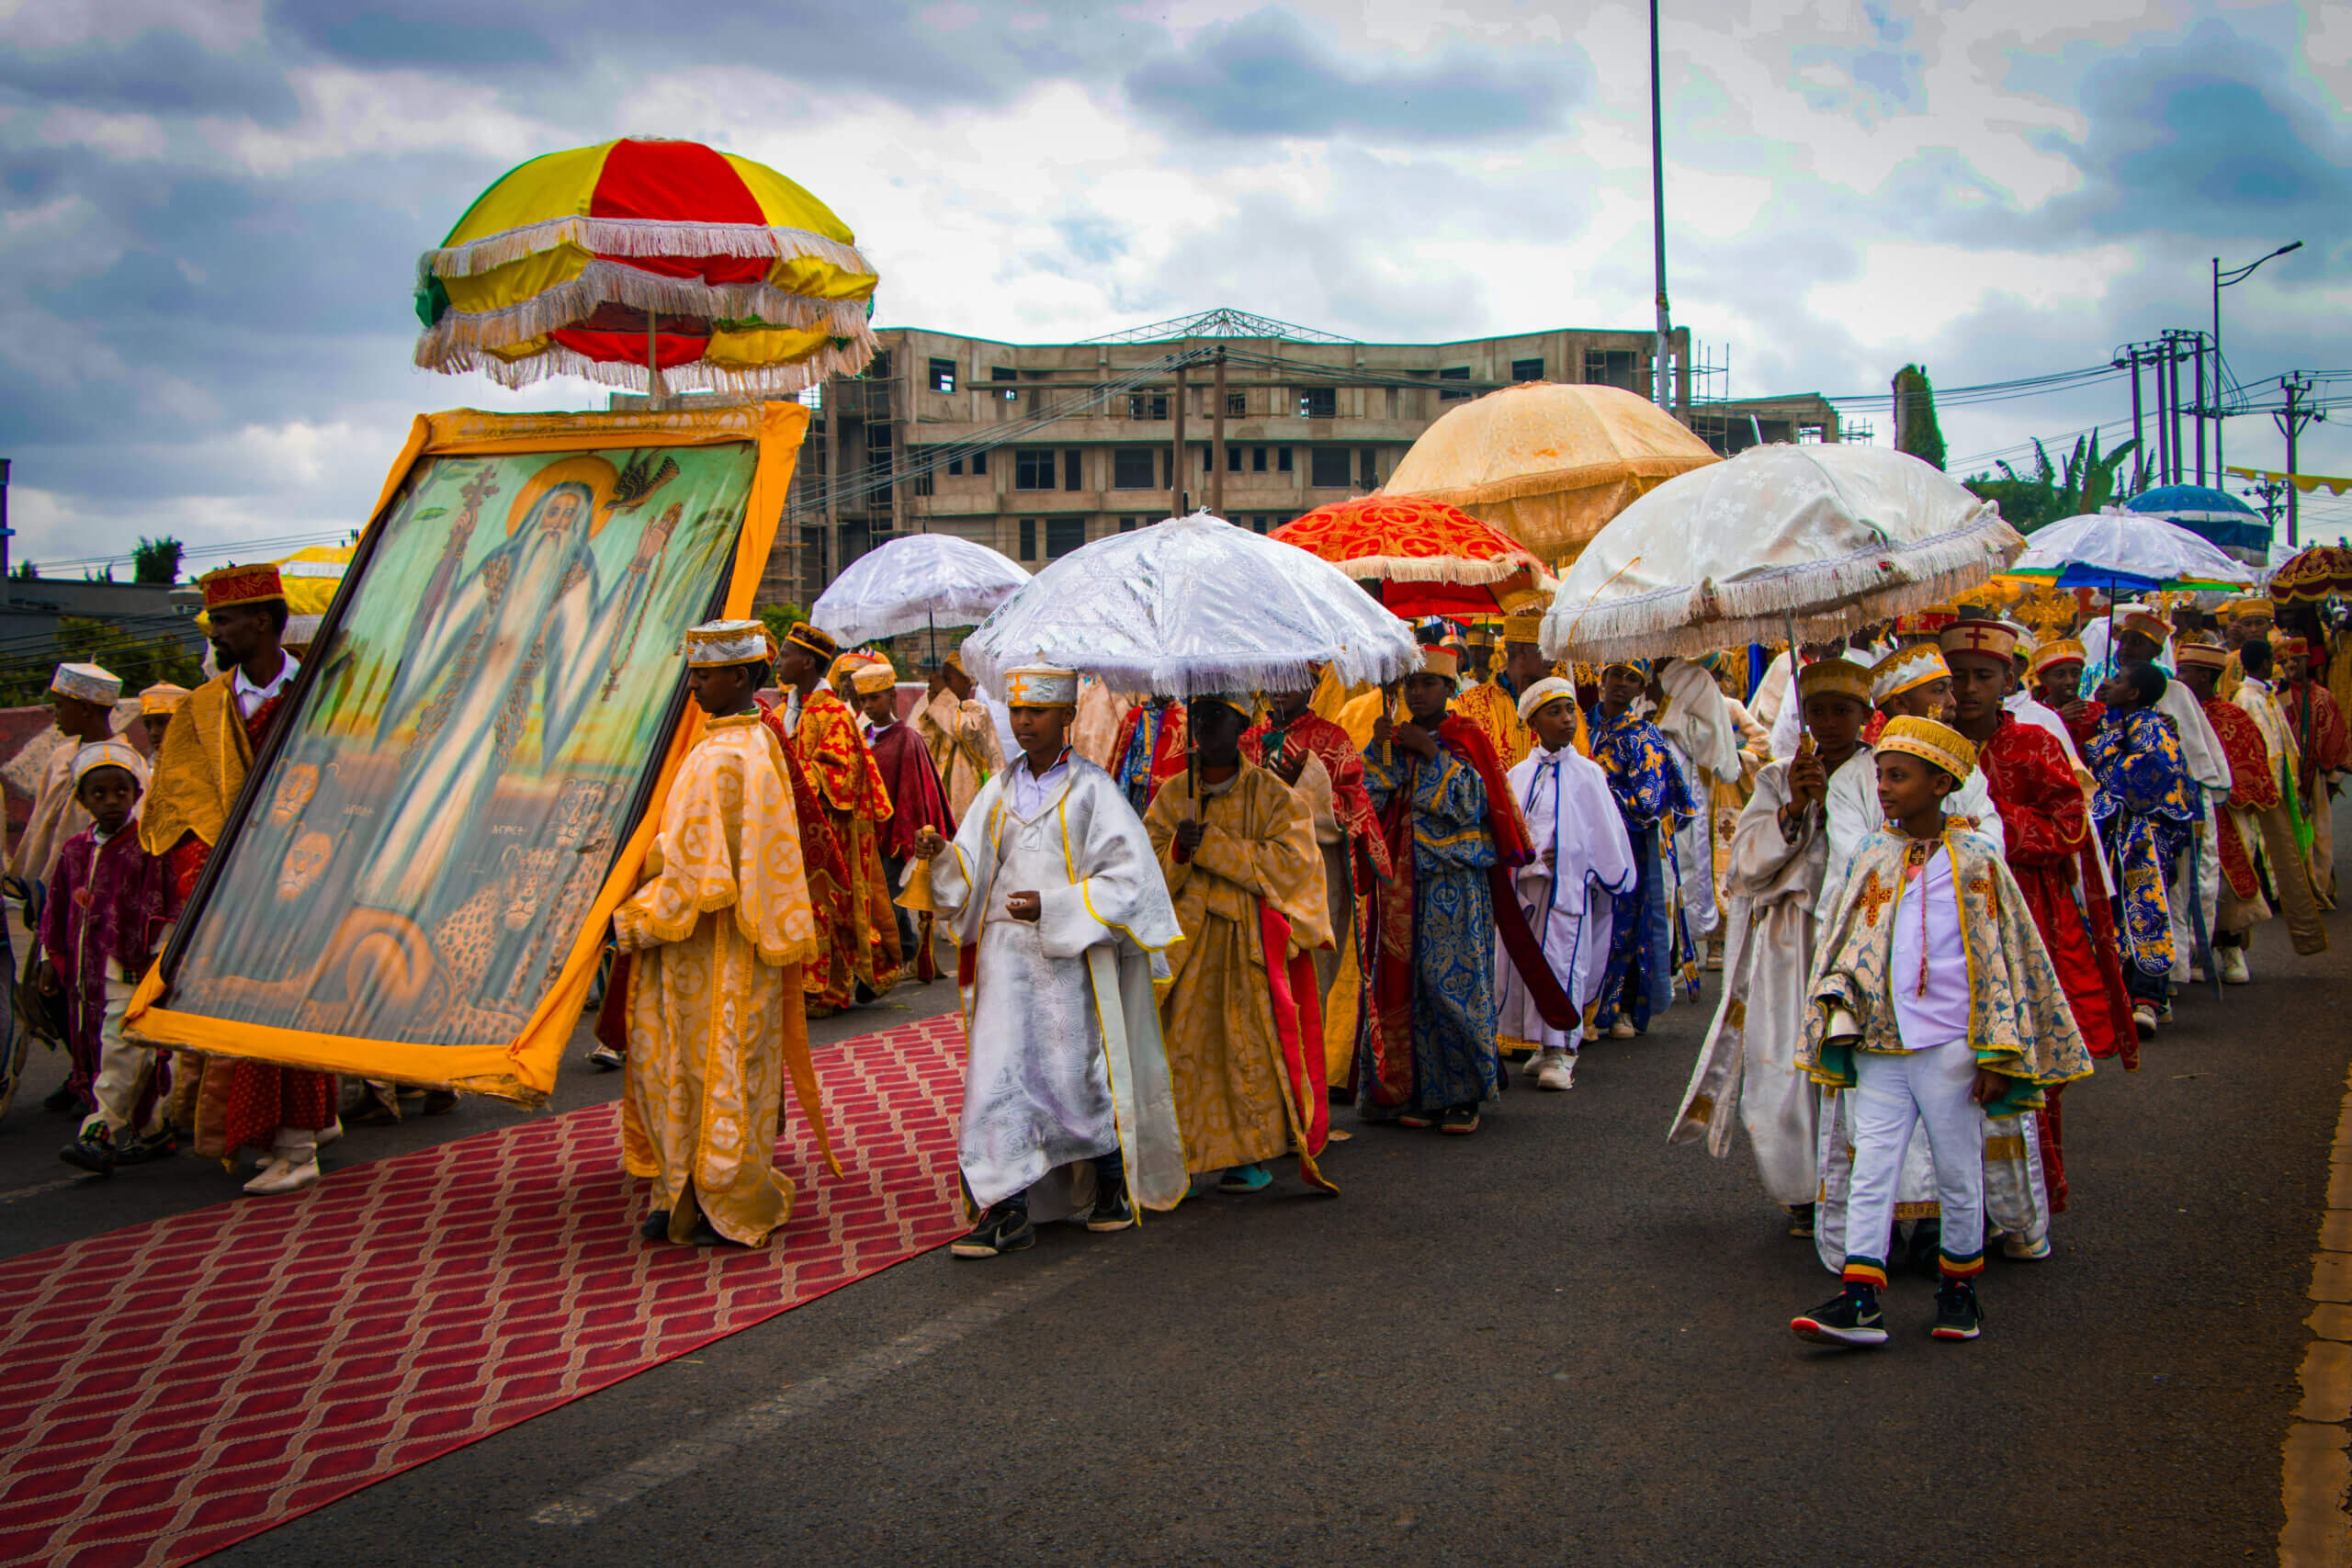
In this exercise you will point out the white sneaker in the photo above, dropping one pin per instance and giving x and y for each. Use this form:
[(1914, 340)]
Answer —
[(331, 1131), (2023, 1250), (1621, 1029), (2232, 964), (282, 1175), (2143, 1019), (2197, 974), (1556, 1070)]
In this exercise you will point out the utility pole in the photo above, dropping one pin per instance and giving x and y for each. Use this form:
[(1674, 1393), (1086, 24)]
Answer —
[(2290, 420), (2164, 419), (1217, 448), (1176, 469), (2223, 278), (1660, 390), (7, 532), (2198, 403), (2139, 434)]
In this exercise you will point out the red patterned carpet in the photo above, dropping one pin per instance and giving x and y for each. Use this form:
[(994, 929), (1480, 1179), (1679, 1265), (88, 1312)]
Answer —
[(175, 1387)]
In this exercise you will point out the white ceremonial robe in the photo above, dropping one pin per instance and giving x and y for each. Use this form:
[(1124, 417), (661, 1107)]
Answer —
[(1770, 894), (1704, 739), (1854, 813), (1064, 1057), (1565, 797)]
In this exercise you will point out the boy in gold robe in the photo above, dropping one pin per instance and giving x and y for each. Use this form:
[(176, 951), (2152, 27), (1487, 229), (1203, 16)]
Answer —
[(720, 928), (1242, 1021)]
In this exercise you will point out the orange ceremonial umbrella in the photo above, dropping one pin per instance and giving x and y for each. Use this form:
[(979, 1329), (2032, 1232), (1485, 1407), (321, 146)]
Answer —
[(1547, 463), (1430, 558)]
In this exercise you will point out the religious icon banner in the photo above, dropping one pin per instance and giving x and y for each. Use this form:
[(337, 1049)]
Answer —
[(418, 878)]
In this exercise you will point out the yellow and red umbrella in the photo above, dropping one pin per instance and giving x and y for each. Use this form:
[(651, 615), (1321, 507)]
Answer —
[(1430, 558), (646, 263)]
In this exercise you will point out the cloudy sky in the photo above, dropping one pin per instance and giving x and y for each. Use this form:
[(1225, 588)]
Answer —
[(212, 207)]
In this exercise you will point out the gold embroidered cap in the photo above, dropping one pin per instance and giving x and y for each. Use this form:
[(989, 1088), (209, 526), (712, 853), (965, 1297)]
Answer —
[(1834, 678), (88, 683), (872, 677), (2286, 645), (1440, 661), (161, 697), (1551, 689), (1996, 638), (1040, 686), (1526, 626), (2063, 650), (110, 754), (1906, 668), (1945, 747), (2202, 656), (816, 642), (242, 586), (2148, 624), (715, 644)]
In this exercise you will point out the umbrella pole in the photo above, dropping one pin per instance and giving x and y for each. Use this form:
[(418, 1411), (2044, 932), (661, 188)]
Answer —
[(1804, 737), (652, 363)]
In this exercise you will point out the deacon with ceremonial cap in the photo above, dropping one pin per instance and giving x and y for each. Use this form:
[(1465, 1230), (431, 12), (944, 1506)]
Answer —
[(1911, 681), (1060, 916), (82, 699), (719, 928)]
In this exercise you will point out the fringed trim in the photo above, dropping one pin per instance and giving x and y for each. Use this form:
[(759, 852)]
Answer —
[(833, 359), (1200, 677), (1826, 598), (1655, 468), (1440, 569), (872, 624), (637, 237), (602, 283)]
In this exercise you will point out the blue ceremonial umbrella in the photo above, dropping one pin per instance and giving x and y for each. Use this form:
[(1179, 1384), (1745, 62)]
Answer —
[(2213, 515)]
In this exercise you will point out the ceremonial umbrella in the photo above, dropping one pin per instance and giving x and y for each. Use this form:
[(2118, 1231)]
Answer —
[(1548, 464), (1430, 558), (2214, 515), (2116, 551), (1806, 541), (916, 580), (1190, 607), (651, 264), (2313, 574)]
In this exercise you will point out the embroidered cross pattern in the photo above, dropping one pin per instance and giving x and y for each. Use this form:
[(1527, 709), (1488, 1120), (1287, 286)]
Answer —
[(1981, 885), (1874, 897)]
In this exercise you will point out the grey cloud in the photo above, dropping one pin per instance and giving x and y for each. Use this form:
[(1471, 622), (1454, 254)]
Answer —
[(1265, 74), (156, 71)]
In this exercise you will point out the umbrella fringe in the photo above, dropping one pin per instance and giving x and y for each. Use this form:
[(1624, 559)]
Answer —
[(637, 237), (1647, 471), (1438, 569), (573, 301), (1183, 678), (833, 359), (1862, 586)]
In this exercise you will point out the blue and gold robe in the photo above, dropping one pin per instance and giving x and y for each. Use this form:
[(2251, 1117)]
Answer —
[(1454, 1060), (1646, 942), (2146, 810), (2019, 1022)]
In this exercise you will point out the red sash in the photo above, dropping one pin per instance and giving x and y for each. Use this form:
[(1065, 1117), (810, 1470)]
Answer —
[(1299, 1025)]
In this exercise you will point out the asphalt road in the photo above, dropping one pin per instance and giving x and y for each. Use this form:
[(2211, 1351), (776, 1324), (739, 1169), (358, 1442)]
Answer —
[(1560, 1341)]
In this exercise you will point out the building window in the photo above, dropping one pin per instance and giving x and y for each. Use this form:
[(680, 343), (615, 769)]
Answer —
[(943, 374), (1208, 458), (878, 368), (1064, 534), (1146, 405), (980, 462), (1167, 468), (1028, 538), (1033, 468), (922, 482), (1319, 403), (1237, 405), (1459, 373), (955, 465), (1327, 467), (1368, 468), (1129, 524), (1233, 459), (1615, 367), (1072, 479), (1282, 459), (1000, 373), (1259, 524), (1131, 469), (1257, 459), (877, 438), (1527, 370)]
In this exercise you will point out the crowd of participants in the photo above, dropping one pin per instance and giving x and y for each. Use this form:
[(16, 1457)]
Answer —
[(1943, 867)]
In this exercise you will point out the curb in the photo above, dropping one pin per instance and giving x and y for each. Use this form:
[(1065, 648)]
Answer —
[(2316, 1472)]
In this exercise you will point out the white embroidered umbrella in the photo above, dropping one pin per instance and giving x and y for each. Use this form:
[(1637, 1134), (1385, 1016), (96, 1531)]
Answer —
[(1807, 541), (2124, 550), (915, 580), (1193, 606)]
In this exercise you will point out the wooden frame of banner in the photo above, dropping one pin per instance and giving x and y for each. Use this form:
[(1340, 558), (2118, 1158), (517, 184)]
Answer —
[(523, 1068)]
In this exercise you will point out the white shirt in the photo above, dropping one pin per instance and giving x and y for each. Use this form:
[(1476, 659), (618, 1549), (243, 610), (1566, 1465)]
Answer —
[(1927, 915), (1031, 792), (250, 696)]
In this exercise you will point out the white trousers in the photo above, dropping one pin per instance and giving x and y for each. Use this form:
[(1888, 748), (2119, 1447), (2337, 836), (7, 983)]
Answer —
[(1894, 1092), (123, 1071), (2208, 850)]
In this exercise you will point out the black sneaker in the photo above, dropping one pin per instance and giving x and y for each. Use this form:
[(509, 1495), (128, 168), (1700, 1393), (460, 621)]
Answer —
[(1923, 1252), (1801, 1221), (1847, 1318), (1958, 1315), (1418, 1117), (92, 1151), (1002, 1230), (64, 1101), (656, 1226), (1113, 1210), (1460, 1120), (139, 1151)]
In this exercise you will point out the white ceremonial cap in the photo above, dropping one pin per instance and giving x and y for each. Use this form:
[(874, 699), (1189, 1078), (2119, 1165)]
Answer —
[(1549, 689), (1906, 667), (110, 754), (1040, 686), (91, 683), (715, 644)]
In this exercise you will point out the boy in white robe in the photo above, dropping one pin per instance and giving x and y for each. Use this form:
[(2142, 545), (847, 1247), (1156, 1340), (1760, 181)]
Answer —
[(1057, 907), (1778, 860), (1583, 860)]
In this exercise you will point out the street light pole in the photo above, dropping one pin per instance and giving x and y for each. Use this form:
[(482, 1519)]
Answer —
[(2223, 278), (1659, 389)]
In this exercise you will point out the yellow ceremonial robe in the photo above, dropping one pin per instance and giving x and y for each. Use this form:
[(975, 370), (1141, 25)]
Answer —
[(963, 743), (1216, 1018), (721, 929)]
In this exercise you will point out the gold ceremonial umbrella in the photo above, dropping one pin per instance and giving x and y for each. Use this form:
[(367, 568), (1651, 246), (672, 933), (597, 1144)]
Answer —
[(1549, 464)]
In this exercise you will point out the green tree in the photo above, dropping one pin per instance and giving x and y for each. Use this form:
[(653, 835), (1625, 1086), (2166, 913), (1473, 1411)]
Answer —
[(1916, 431), (2086, 482), (155, 560), (27, 572), (139, 661)]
